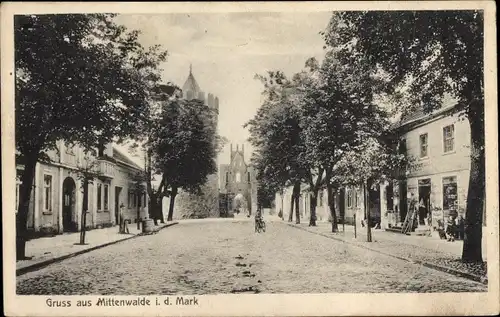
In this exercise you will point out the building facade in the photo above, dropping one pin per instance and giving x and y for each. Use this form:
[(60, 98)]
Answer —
[(283, 202), (57, 194), (440, 144), (238, 179)]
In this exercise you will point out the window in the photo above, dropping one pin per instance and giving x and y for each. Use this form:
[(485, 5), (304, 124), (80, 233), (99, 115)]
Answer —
[(130, 199), (99, 196), (238, 177), (47, 192), (70, 149), (106, 197), (423, 145), (139, 200), (449, 138), (449, 192), (227, 177), (349, 199), (356, 199), (249, 177)]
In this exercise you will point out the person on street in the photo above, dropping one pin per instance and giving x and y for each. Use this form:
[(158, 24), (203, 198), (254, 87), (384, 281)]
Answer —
[(460, 227), (450, 229)]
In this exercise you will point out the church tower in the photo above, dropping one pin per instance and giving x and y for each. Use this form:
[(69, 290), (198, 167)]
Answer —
[(187, 205)]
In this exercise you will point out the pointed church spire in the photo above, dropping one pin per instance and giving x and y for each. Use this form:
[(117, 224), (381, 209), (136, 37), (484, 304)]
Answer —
[(190, 69)]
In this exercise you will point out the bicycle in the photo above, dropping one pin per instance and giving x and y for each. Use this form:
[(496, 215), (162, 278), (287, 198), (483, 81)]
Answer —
[(260, 225)]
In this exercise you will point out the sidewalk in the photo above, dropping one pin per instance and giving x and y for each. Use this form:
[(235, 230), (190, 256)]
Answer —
[(428, 251), (45, 251)]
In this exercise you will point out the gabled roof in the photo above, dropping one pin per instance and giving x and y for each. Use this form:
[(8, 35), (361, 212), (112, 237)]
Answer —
[(123, 158)]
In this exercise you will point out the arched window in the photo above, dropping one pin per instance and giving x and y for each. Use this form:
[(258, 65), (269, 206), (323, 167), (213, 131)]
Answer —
[(238, 177), (248, 175), (227, 177)]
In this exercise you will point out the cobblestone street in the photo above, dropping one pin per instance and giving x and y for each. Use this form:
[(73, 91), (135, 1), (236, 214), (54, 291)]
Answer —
[(226, 256)]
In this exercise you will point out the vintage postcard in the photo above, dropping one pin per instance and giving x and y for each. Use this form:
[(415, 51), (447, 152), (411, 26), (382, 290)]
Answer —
[(250, 159)]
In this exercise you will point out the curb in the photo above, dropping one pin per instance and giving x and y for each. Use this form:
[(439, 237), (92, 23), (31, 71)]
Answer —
[(40, 265), (473, 277)]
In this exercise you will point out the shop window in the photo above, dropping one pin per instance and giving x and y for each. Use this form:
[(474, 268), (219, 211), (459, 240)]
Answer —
[(47, 190), (423, 145), (449, 192), (449, 138)]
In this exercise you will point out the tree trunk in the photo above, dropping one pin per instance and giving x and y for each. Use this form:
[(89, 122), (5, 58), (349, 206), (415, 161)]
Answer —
[(160, 213), (367, 213), (138, 216), (313, 203), (297, 209), (473, 231), (296, 194), (331, 204), (172, 200), (292, 201), (26, 186), (85, 207)]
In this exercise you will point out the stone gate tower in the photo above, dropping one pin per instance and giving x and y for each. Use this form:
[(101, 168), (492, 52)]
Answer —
[(238, 177)]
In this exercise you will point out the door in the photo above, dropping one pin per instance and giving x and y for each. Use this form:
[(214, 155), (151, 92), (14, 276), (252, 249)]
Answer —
[(68, 211), (118, 191), (424, 195)]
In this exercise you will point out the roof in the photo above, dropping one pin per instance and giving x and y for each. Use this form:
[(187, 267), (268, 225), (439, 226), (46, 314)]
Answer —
[(191, 84), (419, 115), (123, 158)]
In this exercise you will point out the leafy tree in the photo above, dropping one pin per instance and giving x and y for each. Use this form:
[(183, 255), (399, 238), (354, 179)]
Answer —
[(367, 165), (423, 55), (337, 112), (79, 78), (162, 94), (185, 145), (276, 135)]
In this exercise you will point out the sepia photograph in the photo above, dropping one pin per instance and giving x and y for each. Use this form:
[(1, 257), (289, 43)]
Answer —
[(160, 156)]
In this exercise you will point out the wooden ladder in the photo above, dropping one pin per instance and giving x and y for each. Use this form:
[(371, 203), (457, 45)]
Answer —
[(409, 219)]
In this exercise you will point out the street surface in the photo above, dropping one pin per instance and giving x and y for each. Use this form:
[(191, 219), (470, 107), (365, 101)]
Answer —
[(225, 256)]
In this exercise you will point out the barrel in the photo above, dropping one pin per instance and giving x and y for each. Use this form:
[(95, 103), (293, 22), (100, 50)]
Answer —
[(147, 225)]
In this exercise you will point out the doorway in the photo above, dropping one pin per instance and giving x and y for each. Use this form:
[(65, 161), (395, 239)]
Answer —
[(118, 191), (424, 199), (68, 210)]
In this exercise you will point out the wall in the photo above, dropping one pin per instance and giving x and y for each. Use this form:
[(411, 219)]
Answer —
[(438, 164), (64, 166)]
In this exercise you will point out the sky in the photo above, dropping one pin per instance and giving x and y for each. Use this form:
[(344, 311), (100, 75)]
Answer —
[(227, 50)]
